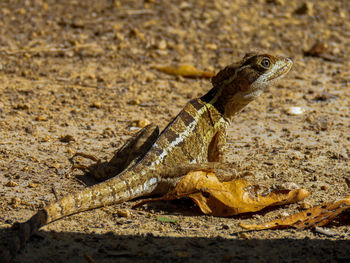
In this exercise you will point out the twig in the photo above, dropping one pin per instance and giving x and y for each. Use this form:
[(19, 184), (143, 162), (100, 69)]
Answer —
[(53, 189)]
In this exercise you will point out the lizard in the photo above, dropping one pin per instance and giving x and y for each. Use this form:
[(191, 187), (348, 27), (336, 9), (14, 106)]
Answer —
[(197, 135)]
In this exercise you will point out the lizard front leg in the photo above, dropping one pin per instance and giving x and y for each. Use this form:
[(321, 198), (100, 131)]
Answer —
[(216, 151), (216, 162)]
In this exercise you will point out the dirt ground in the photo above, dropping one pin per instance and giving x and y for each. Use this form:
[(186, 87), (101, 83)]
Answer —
[(79, 76)]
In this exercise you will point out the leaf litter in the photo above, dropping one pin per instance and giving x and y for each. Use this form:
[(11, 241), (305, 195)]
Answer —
[(230, 198), (226, 199), (311, 218), (187, 71)]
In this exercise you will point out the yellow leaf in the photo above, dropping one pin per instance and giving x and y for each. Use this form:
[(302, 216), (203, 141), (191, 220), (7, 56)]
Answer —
[(229, 198), (188, 71)]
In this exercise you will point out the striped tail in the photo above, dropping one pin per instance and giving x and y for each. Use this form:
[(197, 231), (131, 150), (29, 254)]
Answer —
[(124, 187)]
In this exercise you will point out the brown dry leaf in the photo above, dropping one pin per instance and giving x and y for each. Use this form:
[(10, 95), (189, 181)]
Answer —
[(187, 71), (320, 49), (316, 216), (229, 198), (317, 49)]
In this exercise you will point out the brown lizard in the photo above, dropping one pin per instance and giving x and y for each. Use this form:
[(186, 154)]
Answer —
[(196, 135)]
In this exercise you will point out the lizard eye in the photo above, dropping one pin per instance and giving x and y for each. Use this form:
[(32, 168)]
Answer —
[(265, 63)]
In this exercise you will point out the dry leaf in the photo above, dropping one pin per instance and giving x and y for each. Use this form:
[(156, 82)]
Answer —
[(229, 198), (187, 71), (316, 216), (320, 49), (317, 49)]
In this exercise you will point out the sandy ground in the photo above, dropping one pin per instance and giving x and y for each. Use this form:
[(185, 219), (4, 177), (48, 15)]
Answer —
[(85, 69)]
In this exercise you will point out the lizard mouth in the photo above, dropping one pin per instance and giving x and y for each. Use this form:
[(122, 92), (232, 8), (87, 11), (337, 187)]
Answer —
[(283, 66)]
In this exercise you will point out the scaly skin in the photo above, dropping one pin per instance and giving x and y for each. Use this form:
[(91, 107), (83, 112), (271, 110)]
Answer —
[(196, 135)]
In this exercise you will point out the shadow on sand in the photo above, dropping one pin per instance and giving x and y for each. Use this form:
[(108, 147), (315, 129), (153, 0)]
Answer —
[(76, 247)]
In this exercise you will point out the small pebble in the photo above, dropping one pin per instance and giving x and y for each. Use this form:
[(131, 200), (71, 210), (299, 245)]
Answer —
[(96, 104), (56, 165), (310, 119), (66, 138), (162, 44), (284, 214), (305, 9), (134, 102), (225, 226), (11, 183), (123, 213), (295, 110), (24, 106), (41, 118), (290, 186), (46, 139), (324, 124), (143, 123), (211, 46), (22, 11), (243, 235), (15, 202), (342, 14), (325, 231), (134, 128)]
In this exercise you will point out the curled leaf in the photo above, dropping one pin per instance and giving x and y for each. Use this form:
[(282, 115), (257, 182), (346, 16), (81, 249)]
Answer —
[(229, 198), (187, 71), (313, 217)]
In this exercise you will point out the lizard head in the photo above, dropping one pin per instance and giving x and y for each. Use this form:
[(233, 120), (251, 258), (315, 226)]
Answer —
[(240, 83), (260, 71), (252, 74)]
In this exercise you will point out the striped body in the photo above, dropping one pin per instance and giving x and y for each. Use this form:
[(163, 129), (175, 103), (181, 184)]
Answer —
[(195, 125)]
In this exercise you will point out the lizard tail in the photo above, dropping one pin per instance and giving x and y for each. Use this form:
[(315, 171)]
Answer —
[(124, 187)]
